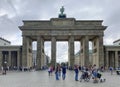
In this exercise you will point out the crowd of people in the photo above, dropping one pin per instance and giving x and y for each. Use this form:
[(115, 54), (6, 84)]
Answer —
[(82, 73), (86, 73)]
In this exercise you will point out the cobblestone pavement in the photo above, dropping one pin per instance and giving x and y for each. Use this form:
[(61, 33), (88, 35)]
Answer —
[(41, 79)]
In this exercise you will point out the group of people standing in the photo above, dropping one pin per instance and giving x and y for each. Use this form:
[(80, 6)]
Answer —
[(90, 71), (87, 73), (84, 73), (58, 70)]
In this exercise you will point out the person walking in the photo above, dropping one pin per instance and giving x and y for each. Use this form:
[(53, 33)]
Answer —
[(111, 69), (76, 69), (63, 72), (49, 71), (59, 70), (57, 73)]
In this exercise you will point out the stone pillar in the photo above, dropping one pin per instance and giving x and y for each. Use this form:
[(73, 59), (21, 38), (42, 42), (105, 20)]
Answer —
[(42, 56), (9, 59), (30, 53), (18, 58), (53, 51), (85, 50), (71, 57), (39, 52), (116, 59), (24, 51), (80, 63), (110, 58), (107, 59), (1, 58), (100, 51), (113, 59)]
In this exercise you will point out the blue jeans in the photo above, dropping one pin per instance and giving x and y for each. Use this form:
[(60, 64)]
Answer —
[(63, 76), (76, 76), (57, 75)]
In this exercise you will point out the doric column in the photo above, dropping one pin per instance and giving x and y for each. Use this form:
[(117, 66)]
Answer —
[(100, 51), (107, 59), (110, 58), (85, 50), (53, 51), (1, 56), (9, 59), (30, 53), (116, 59), (39, 52), (71, 51), (113, 59), (43, 54), (18, 58), (80, 63), (24, 51)]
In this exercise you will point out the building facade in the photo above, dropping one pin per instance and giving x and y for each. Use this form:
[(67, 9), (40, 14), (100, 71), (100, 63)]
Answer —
[(4, 42), (11, 56), (111, 56)]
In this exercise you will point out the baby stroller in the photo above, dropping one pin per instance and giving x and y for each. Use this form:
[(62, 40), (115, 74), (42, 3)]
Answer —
[(85, 76), (98, 78)]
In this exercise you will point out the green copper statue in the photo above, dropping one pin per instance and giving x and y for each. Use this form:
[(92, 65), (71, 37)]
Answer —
[(62, 10), (62, 15)]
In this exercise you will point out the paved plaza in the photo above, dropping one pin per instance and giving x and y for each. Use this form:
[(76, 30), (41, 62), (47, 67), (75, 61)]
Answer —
[(41, 79)]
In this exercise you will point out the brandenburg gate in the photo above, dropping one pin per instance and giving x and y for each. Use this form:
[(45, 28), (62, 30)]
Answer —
[(63, 29)]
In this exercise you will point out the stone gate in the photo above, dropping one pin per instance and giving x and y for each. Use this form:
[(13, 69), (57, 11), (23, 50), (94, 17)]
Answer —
[(63, 29)]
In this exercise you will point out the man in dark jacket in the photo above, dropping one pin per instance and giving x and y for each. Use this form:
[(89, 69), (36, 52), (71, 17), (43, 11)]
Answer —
[(63, 72)]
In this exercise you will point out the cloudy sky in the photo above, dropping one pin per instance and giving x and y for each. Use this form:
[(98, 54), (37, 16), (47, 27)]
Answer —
[(12, 12)]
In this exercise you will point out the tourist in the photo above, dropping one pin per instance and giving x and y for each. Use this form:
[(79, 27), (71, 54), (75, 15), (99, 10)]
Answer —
[(57, 73), (49, 71), (111, 70), (76, 69), (94, 72), (63, 72), (59, 70)]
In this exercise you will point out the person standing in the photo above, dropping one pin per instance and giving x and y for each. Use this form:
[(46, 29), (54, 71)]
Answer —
[(59, 70), (49, 71), (111, 70), (76, 69), (57, 73), (63, 72)]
